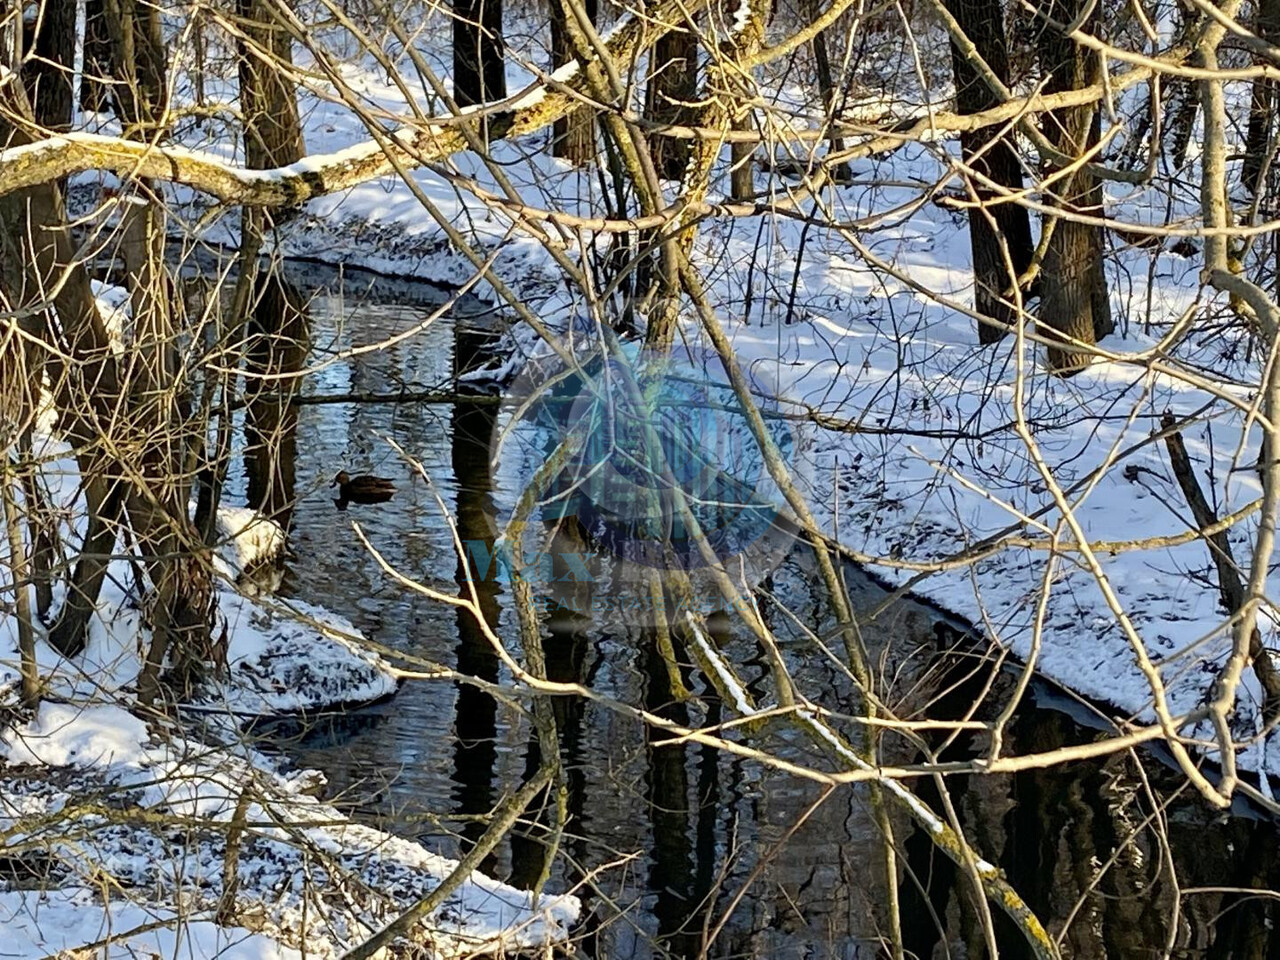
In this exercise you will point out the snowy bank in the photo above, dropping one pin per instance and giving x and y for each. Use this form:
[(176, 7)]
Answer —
[(282, 656), (215, 847)]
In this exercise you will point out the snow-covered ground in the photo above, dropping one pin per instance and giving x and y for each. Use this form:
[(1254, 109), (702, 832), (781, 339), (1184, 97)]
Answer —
[(925, 461), (918, 462), (146, 838)]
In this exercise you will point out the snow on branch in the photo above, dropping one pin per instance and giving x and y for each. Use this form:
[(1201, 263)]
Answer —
[(55, 157)]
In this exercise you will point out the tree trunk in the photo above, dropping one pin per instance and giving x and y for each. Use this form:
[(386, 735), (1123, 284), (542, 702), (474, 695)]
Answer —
[(479, 68), (827, 89), (983, 23), (49, 70), (278, 343), (573, 137), (672, 90), (95, 86), (1263, 106), (42, 527), (1073, 290), (742, 178), (278, 327), (21, 586), (268, 103), (22, 365), (181, 603), (36, 255), (138, 55), (1180, 118), (37, 251)]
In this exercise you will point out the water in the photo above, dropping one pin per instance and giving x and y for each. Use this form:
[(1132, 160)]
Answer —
[(677, 846)]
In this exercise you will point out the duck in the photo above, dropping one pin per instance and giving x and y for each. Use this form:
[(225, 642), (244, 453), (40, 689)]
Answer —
[(361, 489)]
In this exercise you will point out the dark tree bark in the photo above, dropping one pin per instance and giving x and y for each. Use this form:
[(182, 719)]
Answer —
[(37, 255), (43, 529), (279, 332), (278, 328), (667, 797), (827, 87), (35, 248), (47, 73), (268, 101), (573, 137), (1181, 98), (673, 88), (1263, 106), (95, 82), (138, 62), (479, 69), (742, 179), (1073, 287), (48, 69), (475, 754), (1184, 105), (983, 23), (181, 602)]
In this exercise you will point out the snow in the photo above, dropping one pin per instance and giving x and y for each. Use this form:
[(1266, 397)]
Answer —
[(113, 304), (38, 924), (63, 736), (305, 873), (246, 540), (928, 466), (840, 322), (296, 658)]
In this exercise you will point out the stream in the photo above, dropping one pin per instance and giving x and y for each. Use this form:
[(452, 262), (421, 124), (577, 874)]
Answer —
[(672, 846)]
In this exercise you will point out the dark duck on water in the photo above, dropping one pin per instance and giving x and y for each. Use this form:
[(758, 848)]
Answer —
[(362, 489)]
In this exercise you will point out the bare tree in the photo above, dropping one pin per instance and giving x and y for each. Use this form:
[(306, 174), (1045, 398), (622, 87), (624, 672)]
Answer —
[(49, 66), (95, 81), (827, 87), (670, 95), (869, 384), (999, 232), (573, 138), (479, 64), (1073, 287), (276, 335), (1262, 108)]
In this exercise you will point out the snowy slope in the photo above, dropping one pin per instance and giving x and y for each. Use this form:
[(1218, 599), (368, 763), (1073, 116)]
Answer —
[(306, 876)]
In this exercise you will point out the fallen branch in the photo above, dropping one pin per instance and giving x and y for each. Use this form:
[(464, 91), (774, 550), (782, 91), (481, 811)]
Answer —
[(1230, 586), (436, 138)]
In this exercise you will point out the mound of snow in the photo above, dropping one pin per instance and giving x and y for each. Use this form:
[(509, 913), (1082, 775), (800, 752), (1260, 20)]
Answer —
[(305, 874), (302, 658)]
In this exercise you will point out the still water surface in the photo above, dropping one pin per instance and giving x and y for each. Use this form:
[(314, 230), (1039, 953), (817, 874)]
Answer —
[(662, 839)]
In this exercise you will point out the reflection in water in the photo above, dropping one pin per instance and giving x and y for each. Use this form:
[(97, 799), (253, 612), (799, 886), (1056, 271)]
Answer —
[(564, 647), (475, 752), (663, 839), (671, 876)]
